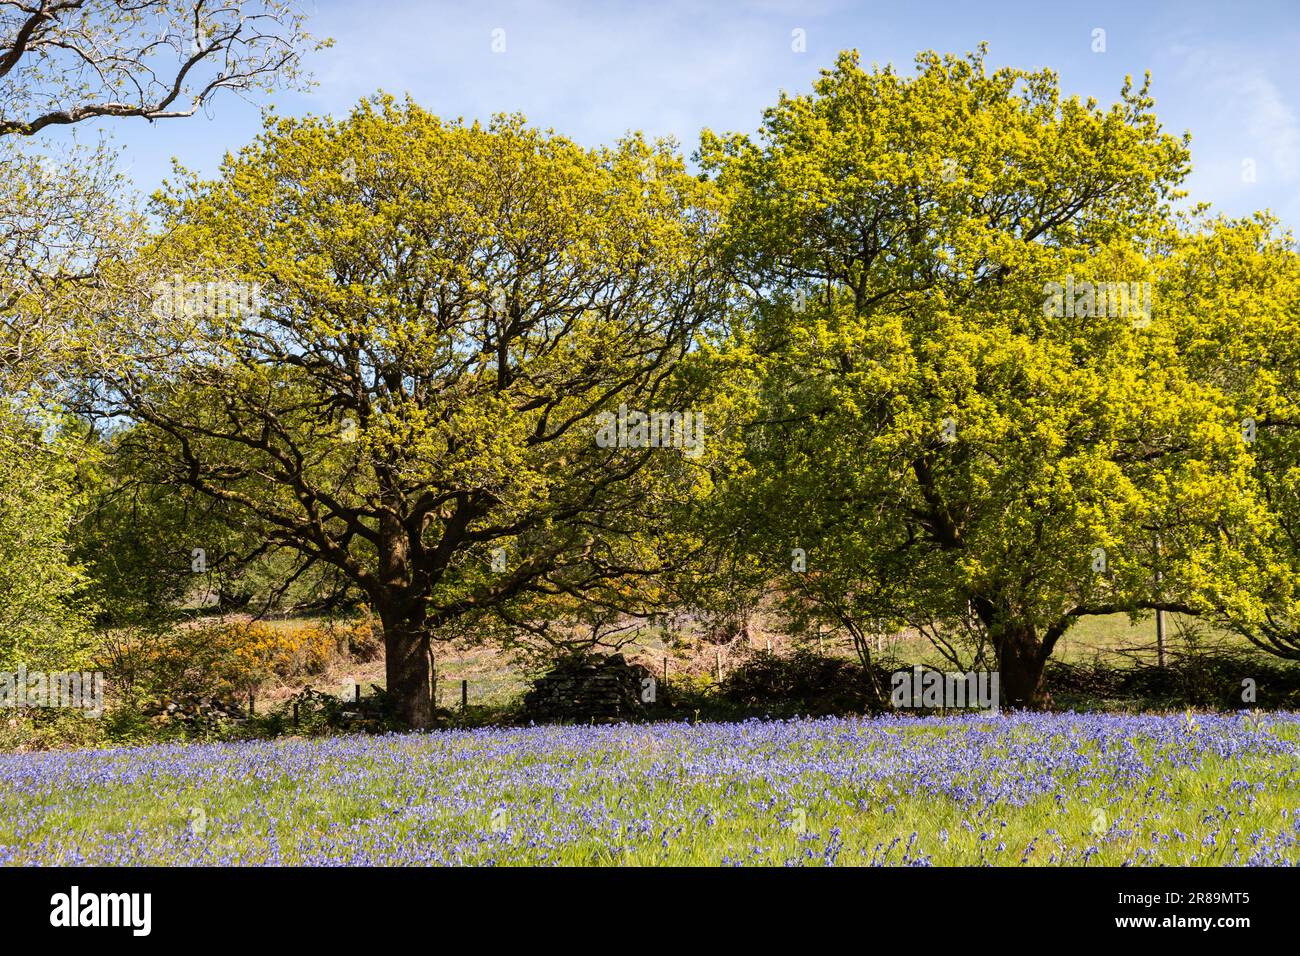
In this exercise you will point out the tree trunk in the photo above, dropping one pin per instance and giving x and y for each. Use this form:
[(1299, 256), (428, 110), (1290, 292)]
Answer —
[(406, 662), (402, 612), (1020, 667), (1021, 655)]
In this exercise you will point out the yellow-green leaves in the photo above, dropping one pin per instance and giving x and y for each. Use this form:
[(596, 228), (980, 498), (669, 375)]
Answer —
[(447, 309), (972, 398)]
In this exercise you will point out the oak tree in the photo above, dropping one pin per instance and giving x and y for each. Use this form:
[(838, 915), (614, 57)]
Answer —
[(968, 408), (445, 317)]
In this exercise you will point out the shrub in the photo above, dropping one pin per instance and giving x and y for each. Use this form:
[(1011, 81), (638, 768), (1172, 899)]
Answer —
[(361, 639), (803, 683), (26, 730), (1209, 678), (260, 652), (225, 659)]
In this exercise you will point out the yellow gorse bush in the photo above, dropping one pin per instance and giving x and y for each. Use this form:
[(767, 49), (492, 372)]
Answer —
[(233, 656), (260, 650)]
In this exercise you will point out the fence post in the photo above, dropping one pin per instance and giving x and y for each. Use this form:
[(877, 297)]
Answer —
[(464, 696), (358, 693), (252, 699), (1160, 614)]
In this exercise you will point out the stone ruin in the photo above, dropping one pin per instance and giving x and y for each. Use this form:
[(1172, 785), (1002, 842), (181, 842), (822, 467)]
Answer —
[(594, 687)]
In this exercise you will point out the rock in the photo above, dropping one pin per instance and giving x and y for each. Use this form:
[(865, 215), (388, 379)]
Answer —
[(593, 687)]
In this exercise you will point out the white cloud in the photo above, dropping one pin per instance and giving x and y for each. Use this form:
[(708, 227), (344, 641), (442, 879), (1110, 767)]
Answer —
[(1243, 112), (1269, 121)]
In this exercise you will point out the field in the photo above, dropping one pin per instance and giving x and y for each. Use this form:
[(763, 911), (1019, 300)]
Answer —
[(1021, 790)]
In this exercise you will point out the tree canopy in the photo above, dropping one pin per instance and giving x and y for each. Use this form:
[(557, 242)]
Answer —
[(947, 439), (444, 311), (940, 349)]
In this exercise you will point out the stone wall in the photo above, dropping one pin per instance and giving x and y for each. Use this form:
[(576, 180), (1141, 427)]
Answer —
[(595, 687)]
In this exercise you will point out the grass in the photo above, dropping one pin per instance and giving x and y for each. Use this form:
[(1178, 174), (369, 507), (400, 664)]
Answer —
[(1024, 790), (1112, 660)]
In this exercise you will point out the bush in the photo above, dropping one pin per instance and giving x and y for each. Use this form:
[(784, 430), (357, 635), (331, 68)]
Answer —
[(805, 683), (224, 659), (361, 639), (26, 730), (260, 652), (1202, 678)]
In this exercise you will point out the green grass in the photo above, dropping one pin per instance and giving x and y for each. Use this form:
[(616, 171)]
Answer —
[(1031, 790)]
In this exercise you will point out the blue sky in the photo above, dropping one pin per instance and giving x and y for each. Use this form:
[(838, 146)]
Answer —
[(1228, 72)]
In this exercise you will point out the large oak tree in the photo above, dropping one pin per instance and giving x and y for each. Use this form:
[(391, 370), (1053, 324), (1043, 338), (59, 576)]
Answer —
[(949, 446), (445, 311)]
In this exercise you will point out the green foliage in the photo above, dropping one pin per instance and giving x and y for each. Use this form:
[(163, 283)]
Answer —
[(44, 611), (902, 427), (446, 310), (154, 551), (805, 683), (944, 445), (1234, 302), (66, 225)]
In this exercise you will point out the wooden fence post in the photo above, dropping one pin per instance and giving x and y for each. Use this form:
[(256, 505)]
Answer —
[(1160, 614)]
